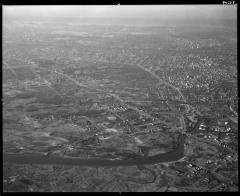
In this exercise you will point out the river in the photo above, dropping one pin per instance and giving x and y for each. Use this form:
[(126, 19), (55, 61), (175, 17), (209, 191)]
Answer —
[(173, 155)]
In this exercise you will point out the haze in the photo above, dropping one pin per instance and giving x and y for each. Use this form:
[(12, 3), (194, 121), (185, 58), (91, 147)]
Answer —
[(131, 11)]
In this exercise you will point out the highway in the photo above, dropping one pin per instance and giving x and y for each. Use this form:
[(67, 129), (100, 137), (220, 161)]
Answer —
[(111, 94)]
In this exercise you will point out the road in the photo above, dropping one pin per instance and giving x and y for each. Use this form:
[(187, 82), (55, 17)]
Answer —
[(142, 113), (154, 75), (163, 81), (11, 69), (168, 84)]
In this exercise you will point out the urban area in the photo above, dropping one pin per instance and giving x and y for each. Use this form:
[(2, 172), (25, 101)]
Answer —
[(119, 93)]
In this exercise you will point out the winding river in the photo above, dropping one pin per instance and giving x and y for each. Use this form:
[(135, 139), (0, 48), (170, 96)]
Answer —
[(173, 155)]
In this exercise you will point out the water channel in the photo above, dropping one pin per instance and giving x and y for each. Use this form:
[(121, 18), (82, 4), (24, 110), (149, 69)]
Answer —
[(170, 156)]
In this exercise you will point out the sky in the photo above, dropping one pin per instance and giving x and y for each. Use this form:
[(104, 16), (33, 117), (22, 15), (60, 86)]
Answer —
[(126, 11)]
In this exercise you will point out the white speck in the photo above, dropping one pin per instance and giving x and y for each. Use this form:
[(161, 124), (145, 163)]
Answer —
[(111, 130), (137, 140)]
